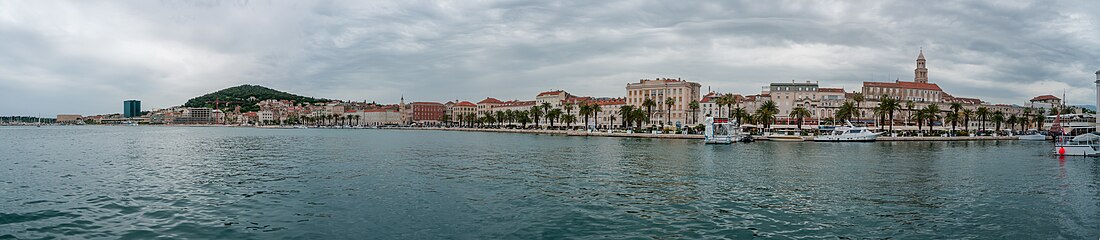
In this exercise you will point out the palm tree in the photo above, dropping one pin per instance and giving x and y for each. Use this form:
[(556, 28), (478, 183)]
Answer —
[(585, 111), (933, 114), (846, 111), (639, 116), (649, 104), (858, 97), (1040, 117), (721, 102), (881, 116), (982, 114), (766, 113), (909, 107), (739, 113), (966, 113), (536, 114), (501, 116), (998, 118), (694, 106), (889, 106), (568, 118), (733, 100), (568, 107), (668, 106), (625, 113), (521, 116), (955, 108), (922, 114), (1012, 120), (552, 115), (596, 109), (799, 113), (952, 118), (1025, 120)]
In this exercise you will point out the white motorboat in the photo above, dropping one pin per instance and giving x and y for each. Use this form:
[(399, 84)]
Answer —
[(1087, 144), (786, 136), (1033, 135), (849, 133)]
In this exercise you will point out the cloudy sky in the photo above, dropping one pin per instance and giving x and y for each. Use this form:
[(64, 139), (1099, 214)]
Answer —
[(86, 57)]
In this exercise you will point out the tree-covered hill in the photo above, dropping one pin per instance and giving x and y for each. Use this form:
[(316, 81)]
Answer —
[(243, 95)]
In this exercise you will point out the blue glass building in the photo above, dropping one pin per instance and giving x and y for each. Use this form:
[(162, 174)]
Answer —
[(131, 108)]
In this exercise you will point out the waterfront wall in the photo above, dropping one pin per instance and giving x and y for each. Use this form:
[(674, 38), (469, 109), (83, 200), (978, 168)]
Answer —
[(691, 136)]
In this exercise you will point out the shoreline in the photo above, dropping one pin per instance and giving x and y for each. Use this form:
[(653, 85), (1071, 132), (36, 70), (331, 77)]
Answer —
[(682, 136), (606, 134)]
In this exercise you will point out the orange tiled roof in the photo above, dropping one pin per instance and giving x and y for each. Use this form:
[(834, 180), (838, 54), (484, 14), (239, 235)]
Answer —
[(490, 101), (515, 103), (832, 90), (904, 85), (1045, 98), (551, 93), (466, 104)]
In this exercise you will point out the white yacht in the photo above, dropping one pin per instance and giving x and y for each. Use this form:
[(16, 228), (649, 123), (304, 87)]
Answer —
[(1033, 135), (849, 133), (1087, 144), (786, 136)]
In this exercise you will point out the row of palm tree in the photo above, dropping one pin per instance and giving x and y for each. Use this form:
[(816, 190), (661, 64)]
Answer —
[(326, 119)]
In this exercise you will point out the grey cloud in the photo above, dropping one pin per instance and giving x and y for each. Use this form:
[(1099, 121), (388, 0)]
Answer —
[(1000, 51)]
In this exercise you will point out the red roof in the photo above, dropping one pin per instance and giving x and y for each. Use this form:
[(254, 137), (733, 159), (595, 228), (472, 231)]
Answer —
[(551, 93), (613, 101), (350, 111), (515, 103), (490, 101), (1045, 98), (832, 90), (904, 85), (426, 103), (466, 104)]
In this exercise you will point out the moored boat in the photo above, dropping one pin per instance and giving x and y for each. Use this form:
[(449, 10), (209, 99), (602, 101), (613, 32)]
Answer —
[(717, 131), (849, 133), (1087, 144), (786, 136)]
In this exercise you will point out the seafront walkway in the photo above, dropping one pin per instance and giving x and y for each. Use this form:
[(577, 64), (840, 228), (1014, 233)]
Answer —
[(688, 136)]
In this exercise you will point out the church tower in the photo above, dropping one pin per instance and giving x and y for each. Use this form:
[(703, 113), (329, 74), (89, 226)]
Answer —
[(921, 73)]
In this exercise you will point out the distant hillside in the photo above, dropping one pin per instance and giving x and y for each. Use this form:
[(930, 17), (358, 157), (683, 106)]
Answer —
[(232, 97)]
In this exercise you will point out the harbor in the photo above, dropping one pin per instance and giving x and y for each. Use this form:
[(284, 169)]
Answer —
[(253, 183)]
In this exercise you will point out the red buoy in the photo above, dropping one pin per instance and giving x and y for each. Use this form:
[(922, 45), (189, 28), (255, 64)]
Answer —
[(1062, 151)]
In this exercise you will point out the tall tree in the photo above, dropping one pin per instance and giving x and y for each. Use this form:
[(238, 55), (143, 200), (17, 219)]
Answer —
[(536, 114), (596, 109), (766, 113), (625, 113), (966, 114), (909, 107), (998, 118), (983, 115), (889, 105), (669, 102), (585, 111), (858, 97), (799, 114), (694, 106), (649, 104)]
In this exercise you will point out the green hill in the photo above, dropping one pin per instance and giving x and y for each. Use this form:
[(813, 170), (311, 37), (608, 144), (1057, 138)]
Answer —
[(242, 95)]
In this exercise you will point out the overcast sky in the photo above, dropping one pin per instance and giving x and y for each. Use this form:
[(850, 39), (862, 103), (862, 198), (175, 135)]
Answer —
[(86, 57)]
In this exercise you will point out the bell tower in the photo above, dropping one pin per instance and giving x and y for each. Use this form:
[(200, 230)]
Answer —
[(921, 73)]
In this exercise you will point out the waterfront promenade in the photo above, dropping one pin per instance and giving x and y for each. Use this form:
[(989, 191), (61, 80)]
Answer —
[(687, 136)]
